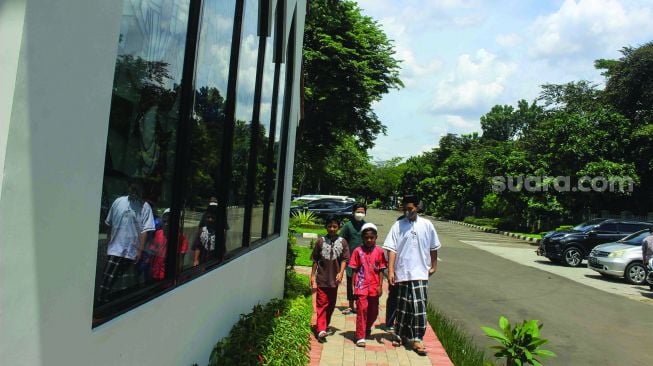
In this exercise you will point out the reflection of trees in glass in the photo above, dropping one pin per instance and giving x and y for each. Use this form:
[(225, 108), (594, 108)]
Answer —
[(205, 145), (241, 151), (142, 125)]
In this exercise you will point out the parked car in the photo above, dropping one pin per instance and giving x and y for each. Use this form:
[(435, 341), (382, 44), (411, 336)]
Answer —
[(622, 258), (325, 207), (312, 197), (571, 246)]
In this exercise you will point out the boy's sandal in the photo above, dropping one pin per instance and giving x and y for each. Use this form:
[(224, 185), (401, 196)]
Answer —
[(419, 348), (396, 341), (321, 336), (347, 311)]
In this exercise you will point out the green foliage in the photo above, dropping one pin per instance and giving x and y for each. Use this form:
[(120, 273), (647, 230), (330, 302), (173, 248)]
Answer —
[(291, 256), (349, 63), (629, 85), (482, 221), (384, 178), (277, 333), (460, 347), (318, 229), (374, 204), (303, 256), (519, 345), (302, 218)]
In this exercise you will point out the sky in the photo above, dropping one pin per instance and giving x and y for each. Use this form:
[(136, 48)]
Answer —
[(462, 57)]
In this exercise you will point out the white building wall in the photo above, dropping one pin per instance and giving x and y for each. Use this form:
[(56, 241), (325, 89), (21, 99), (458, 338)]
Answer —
[(50, 206), (12, 15)]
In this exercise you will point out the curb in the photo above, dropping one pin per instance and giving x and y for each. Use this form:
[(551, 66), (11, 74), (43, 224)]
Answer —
[(497, 231)]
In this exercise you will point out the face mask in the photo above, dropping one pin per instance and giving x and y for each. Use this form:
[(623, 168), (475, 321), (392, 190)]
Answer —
[(410, 214), (359, 216)]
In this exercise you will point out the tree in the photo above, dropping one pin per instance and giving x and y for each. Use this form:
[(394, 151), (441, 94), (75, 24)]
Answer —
[(346, 169), (385, 179), (348, 65), (629, 88), (629, 84)]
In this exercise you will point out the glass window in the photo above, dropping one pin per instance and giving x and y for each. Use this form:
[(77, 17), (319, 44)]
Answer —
[(141, 143), (631, 228), (200, 214), (608, 228), (265, 148), (155, 155), (273, 169), (237, 195)]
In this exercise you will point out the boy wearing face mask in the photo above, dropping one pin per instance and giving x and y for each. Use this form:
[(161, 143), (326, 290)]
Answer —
[(351, 231)]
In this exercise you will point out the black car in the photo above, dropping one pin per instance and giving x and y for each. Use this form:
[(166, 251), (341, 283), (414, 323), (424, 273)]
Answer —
[(571, 246), (327, 207)]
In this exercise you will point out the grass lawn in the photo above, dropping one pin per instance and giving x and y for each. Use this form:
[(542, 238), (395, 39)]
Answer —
[(459, 346), (320, 232), (303, 256)]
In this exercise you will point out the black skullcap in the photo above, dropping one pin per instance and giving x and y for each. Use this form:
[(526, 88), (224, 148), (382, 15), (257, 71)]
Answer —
[(410, 199)]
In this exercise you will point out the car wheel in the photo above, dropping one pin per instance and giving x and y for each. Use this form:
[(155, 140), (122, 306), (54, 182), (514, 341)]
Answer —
[(635, 273), (572, 256)]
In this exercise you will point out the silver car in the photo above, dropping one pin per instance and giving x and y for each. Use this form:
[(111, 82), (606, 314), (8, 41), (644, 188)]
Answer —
[(622, 258)]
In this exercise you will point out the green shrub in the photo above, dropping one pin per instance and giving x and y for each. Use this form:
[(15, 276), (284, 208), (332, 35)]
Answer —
[(291, 256), (296, 285), (374, 204), (302, 218), (482, 221), (519, 345), (277, 333)]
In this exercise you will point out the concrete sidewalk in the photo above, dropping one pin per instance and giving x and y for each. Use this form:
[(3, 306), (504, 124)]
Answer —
[(340, 348)]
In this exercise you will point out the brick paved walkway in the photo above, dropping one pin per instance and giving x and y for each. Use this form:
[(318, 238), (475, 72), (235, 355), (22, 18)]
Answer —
[(340, 348)]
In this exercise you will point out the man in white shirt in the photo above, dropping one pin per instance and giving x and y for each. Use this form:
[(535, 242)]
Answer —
[(129, 220), (412, 246)]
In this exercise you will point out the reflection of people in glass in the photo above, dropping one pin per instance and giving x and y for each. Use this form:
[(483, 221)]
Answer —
[(158, 247), (213, 207), (130, 219), (205, 242)]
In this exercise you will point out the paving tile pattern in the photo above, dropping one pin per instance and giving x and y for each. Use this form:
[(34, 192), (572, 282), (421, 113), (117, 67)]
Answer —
[(340, 348)]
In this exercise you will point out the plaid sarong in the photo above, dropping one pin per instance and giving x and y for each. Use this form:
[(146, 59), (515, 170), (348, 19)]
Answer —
[(410, 313), (114, 270)]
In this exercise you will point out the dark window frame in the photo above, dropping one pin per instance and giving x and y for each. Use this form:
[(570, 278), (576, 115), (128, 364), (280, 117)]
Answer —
[(174, 274)]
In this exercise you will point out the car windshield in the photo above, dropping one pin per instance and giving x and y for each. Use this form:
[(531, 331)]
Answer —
[(635, 238), (588, 225)]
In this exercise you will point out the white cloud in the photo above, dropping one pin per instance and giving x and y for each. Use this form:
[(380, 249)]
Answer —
[(587, 26), (459, 122), (427, 148), (476, 82), (508, 40)]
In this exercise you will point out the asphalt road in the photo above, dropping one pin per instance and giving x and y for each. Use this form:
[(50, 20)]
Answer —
[(588, 320)]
